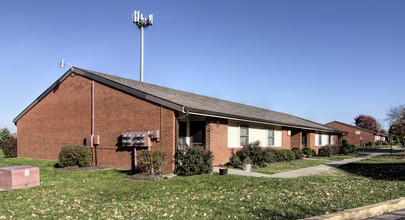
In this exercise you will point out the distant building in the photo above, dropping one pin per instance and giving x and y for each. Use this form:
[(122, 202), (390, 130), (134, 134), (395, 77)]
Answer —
[(355, 133), (83, 102)]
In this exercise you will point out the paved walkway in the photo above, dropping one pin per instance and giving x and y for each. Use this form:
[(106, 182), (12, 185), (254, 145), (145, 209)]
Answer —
[(400, 214), (301, 172)]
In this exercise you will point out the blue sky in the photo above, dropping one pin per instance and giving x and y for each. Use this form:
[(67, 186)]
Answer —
[(322, 60)]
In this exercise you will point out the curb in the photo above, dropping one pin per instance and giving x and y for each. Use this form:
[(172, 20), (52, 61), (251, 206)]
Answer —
[(366, 211)]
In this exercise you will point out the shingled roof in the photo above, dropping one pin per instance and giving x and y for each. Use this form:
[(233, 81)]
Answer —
[(357, 127), (189, 102)]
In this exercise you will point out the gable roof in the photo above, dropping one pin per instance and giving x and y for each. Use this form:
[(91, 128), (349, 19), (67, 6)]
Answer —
[(187, 102), (357, 127)]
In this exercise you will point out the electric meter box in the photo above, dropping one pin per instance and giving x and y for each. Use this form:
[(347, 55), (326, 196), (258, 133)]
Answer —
[(19, 177)]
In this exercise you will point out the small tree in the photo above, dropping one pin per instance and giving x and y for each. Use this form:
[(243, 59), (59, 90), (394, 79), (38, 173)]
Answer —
[(367, 122), (396, 118), (10, 147), (4, 135)]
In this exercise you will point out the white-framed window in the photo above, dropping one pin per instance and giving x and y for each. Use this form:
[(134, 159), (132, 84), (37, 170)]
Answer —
[(270, 137), (319, 139), (244, 135)]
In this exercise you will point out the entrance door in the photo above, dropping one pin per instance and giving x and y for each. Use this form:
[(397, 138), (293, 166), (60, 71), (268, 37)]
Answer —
[(304, 139), (197, 133)]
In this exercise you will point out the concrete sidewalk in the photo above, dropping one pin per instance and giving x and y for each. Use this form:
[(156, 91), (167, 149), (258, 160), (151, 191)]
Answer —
[(301, 172)]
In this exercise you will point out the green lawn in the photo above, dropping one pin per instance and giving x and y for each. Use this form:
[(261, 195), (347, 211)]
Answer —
[(105, 194), (299, 164), (1, 154)]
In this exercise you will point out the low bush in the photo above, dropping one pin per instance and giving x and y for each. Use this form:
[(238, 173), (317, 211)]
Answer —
[(325, 151), (348, 149), (269, 155), (10, 147), (254, 152), (150, 161), (298, 153), (75, 155), (309, 152), (192, 160), (385, 143), (345, 142), (234, 161), (284, 155), (335, 149)]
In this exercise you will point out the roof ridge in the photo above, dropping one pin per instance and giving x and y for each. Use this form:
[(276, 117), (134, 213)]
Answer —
[(355, 126), (251, 106)]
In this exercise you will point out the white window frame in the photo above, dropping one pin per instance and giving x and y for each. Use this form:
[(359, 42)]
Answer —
[(272, 137), (240, 134)]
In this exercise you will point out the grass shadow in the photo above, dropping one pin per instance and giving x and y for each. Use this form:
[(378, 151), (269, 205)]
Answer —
[(383, 170)]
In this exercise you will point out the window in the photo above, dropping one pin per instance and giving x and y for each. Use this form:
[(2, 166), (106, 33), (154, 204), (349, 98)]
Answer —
[(182, 133), (244, 135), (329, 140), (197, 133), (270, 137), (320, 139)]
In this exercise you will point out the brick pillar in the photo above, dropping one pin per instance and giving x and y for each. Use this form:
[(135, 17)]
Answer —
[(217, 139), (286, 140), (296, 138), (311, 140)]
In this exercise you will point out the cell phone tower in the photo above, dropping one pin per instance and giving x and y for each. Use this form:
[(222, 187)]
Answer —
[(142, 22)]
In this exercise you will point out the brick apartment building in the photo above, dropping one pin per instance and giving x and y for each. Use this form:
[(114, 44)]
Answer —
[(83, 102), (354, 133)]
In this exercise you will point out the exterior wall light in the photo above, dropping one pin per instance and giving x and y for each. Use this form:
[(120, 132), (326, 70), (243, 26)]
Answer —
[(62, 65)]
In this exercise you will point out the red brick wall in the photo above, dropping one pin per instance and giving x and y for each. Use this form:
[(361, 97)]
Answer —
[(217, 140), (115, 112), (285, 140), (352, 136), (296, 138), (63, 117), (311, 140)]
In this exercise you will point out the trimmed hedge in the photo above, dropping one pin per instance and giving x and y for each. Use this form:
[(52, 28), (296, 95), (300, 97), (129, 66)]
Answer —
[(75, 155), (285, 155), (150, 161), (348, 149), (192, 160), (325, 151), (309, 152), (298, 153), (10, 147)]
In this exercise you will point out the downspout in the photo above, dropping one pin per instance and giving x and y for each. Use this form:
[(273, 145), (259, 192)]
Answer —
[(161, 121), (94, 158)]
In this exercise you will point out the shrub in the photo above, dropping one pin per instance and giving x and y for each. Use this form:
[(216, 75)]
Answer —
[(335, 149), (345, 142), (10, 147), (385, 143), (370, 143), (348, 149), (191, 160), (309, 152), (285, 155), (254, 152), (298, 153), (325, 151), (234, 161), (75, 155), (4, 135), (150, 161), (269, 155)]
